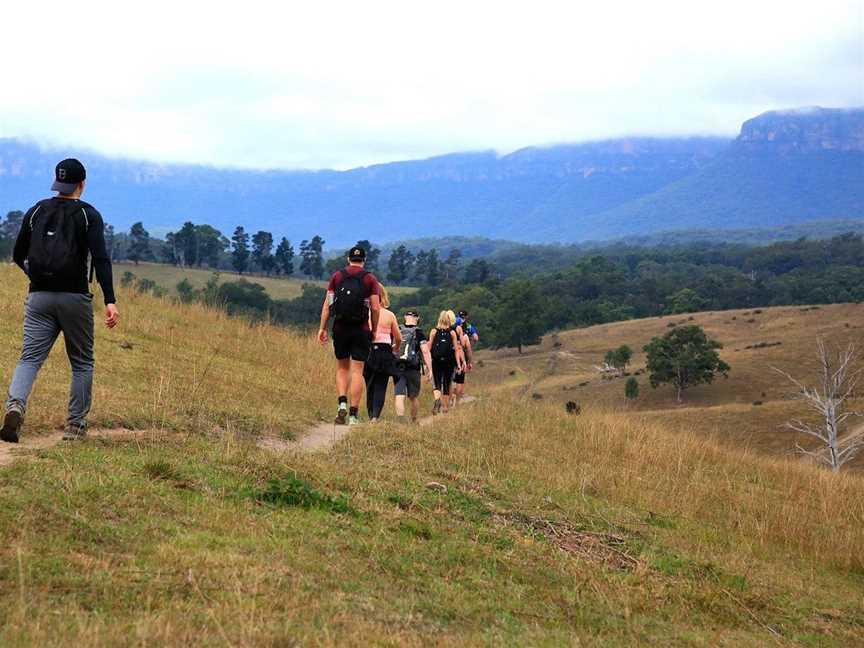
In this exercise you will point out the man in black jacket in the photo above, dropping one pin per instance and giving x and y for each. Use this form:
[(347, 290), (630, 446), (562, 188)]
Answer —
[(57, 235)]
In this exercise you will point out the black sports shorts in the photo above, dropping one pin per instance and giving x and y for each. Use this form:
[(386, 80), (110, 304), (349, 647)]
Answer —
[(408, 383), (354, 343)]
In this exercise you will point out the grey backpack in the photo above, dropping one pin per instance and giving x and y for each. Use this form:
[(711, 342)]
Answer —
[(409, 350)]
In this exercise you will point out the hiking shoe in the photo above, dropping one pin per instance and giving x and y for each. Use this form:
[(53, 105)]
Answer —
[(75, 432), (342, 414), (11, 425), (436, 408), (353, 420)]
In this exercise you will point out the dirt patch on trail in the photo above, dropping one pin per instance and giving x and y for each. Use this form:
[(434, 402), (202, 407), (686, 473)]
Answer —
[(608, 549), (10, 452), (326, 435), (320, 437)]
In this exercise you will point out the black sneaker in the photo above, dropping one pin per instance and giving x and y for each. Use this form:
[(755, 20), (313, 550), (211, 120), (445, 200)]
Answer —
[(11, 425), (436, 408), (74, 432)]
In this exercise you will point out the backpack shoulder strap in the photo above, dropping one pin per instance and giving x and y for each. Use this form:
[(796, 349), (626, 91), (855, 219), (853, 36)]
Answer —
[(30, 217), (86, 218)]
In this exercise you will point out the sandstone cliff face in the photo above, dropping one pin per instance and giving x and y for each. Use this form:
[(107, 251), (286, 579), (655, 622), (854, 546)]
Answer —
[(805, 130)]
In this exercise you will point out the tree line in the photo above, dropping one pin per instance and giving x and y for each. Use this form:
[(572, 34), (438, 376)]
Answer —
[(204, 246), (516, 308), (632, 283)]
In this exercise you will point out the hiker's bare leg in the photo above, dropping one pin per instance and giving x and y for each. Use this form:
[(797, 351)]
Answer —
[(343, 370), (400, 405), (415, 408), (357, 383)]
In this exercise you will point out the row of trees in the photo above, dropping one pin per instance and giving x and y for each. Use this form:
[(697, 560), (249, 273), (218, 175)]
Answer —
[(202, 245)]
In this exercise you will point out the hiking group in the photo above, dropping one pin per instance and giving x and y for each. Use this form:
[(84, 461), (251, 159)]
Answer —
[(59, 234), (371, 347)]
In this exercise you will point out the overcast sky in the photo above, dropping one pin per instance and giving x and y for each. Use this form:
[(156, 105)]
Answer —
[(342, 84)]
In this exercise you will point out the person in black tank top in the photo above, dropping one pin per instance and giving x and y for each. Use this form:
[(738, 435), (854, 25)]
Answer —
[(447, 357)]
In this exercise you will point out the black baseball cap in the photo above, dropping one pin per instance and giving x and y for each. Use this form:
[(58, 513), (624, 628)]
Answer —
[(357, 253), (67, 175), (463, 314), (411, 313)]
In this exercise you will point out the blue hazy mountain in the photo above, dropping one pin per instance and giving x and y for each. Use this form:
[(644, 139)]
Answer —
[(784, 168)]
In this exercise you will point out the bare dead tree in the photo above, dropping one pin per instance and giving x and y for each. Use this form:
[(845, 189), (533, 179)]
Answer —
[(838, 378)]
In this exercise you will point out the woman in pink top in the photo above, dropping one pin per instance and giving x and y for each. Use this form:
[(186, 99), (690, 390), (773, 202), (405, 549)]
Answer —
[(381, 365)]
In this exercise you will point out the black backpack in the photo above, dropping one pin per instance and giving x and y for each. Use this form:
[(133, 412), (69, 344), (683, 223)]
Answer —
[(58, 240), (409, 352), (349, 301), (442, 346)]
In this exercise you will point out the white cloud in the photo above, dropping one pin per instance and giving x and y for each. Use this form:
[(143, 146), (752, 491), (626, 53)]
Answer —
[(345, 83)]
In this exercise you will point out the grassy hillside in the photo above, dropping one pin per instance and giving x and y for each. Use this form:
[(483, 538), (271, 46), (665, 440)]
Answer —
[(168, 276), (188, 368), (745, 410), (540, 529)]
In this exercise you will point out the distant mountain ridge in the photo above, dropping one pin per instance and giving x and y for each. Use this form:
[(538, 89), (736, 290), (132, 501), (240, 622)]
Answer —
[(784, 168)]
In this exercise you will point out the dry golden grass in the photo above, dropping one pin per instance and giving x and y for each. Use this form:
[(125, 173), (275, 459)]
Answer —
[(188, 368), (168, 276), (557, 369)]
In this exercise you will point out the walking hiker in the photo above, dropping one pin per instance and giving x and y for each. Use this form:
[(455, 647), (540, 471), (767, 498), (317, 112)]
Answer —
[(462, 330), (381, 365), (352, 301), (57, 235), (447, 357), (470, 329), (413, 357)]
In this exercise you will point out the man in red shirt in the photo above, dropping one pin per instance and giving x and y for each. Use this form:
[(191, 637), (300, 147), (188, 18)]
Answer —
[(353, 301)]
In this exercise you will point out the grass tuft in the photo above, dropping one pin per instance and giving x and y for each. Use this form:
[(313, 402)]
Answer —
[(162, 469), (292, 491)]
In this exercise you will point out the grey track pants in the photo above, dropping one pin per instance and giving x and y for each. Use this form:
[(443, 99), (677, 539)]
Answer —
[(46, 315)]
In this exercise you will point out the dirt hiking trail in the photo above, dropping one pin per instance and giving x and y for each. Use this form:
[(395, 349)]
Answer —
[(10, 452), (320, 437), (325, 435)]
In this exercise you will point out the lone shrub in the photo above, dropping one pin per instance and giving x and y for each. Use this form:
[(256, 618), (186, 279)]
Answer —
[(631, 389)]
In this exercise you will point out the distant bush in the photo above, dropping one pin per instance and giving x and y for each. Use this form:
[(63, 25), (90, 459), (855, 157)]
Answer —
[(631, 389), (244, 297), (619, 358), (145, 285)]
